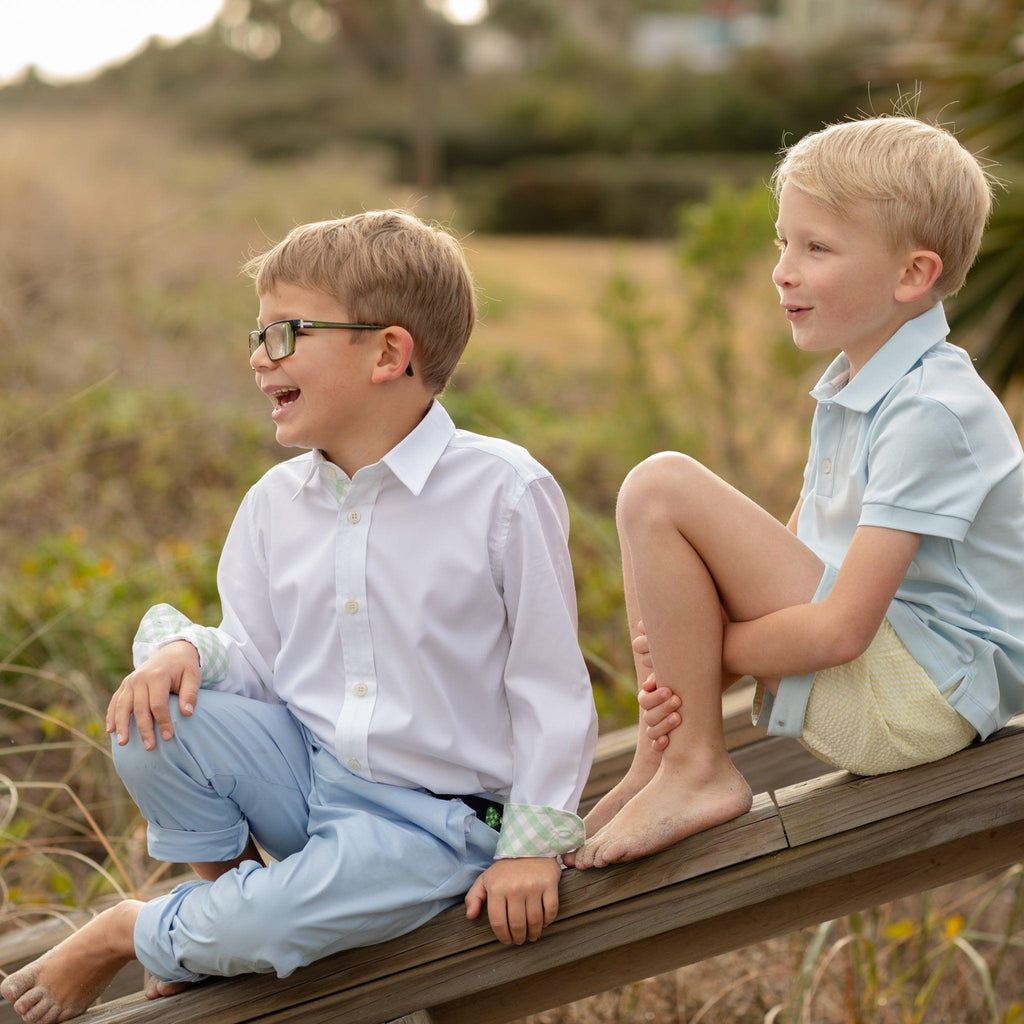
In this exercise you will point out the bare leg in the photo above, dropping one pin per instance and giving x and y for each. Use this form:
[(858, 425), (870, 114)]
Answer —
[(647, 759), (695, 546), (209, 871), (65, 981)]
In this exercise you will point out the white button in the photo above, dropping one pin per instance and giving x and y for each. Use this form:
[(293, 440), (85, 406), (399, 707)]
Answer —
[(353, 764), (331, 472), (351, 607), (354, 516), (826, 466), (360, 689)]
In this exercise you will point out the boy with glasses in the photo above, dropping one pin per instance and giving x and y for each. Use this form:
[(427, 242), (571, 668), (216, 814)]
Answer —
[(395, 707)]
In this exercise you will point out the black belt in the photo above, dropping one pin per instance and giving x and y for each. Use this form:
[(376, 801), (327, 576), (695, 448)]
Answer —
[(486, 810)]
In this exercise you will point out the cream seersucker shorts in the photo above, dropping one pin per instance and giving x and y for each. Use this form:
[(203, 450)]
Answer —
[(881, 712)]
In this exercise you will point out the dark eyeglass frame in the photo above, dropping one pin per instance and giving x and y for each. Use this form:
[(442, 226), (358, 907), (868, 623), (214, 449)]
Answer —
[(257, 338)]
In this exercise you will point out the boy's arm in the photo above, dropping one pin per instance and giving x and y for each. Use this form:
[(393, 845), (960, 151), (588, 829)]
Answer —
[(835, 630), (547, 687), (237, 656), (554, 723)]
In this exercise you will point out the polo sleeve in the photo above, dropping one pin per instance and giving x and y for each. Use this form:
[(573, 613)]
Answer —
[(923, 476), (550, 700)]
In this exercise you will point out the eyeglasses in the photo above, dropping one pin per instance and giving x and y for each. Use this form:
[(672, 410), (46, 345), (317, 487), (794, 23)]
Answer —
[(279, 337)]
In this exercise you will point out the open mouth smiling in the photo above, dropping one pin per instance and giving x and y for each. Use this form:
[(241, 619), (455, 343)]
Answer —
[(283, 396)]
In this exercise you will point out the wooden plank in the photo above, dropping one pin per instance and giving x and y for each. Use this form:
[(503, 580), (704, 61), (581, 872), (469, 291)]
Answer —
[(702, 940), (855, 863), (419, 1017), (775, 762), (235, 1000), (839, 801)]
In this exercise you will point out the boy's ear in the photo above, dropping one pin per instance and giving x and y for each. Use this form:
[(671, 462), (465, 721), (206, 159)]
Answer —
[(394, 354), (922, 270)]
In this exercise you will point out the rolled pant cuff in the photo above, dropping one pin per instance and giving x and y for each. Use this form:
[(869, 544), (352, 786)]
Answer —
[(181, 847), (154, 924)]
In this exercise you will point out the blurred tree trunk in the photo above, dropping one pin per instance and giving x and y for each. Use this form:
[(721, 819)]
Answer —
[(422, 49)]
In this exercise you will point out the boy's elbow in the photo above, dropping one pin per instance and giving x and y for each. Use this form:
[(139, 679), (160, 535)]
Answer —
[(847, 640), (849, 643)]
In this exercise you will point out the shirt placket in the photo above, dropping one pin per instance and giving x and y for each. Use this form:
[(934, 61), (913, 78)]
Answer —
[(831, 418), (356, 500)]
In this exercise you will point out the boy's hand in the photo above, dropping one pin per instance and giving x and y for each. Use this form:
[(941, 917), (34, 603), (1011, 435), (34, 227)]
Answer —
[(659, 711), (174, 668), (642, 646), (658, 705), (521, 894)]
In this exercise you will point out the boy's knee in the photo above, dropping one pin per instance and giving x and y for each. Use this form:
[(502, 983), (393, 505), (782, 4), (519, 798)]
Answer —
[(654, 486), (132, 759)]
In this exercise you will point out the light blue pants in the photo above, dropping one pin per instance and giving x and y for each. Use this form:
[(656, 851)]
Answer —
[(357, 862)]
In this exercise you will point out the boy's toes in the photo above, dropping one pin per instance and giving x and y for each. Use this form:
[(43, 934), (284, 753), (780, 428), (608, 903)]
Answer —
[(585, 856), (14, 987), (35, 1008)]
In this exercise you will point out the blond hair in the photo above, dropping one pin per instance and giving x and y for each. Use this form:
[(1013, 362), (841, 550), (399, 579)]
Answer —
[(384, 267), (928, 191)]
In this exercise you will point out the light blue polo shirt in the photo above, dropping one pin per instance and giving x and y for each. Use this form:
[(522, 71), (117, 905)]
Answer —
[(917, 442)]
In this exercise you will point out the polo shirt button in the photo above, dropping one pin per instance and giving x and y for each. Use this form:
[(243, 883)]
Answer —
[(331, 472), (353, 764), (826, 466), (360, 689), (354, 516), (351, 607)]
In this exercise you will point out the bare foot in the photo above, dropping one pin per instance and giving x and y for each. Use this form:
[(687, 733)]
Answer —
[(639, 775), (155, 988), (68, 979), (679, 801)]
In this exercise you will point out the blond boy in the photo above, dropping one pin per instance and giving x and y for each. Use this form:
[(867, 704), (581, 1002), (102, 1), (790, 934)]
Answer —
[(395, 707), (885, 625)]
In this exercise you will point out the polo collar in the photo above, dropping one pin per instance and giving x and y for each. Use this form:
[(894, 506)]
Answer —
[(881, 372), (412, 460)]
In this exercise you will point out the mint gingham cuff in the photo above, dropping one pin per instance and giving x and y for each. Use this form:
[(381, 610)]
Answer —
[(528, 830), (162, 624)]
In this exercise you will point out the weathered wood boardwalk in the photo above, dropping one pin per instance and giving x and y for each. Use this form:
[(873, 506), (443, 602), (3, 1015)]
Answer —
[(815, 845)]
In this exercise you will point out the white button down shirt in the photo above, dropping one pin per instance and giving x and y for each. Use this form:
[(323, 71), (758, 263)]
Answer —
[(419, 619)]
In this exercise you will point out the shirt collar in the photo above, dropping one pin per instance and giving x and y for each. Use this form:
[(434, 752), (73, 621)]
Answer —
[(878, 375), (411, 460)]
